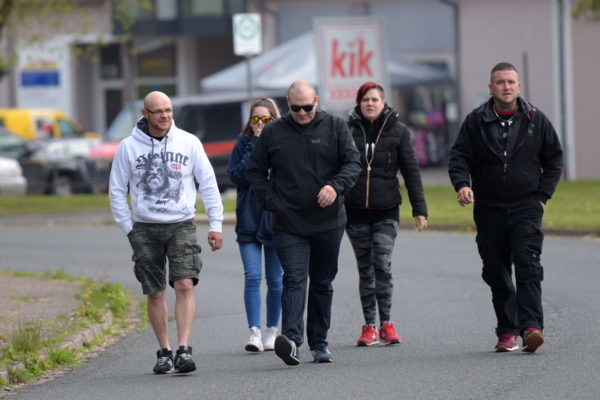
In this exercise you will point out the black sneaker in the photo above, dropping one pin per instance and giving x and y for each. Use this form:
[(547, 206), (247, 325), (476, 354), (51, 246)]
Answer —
[(286, 350), (183, 360), (164, 362)]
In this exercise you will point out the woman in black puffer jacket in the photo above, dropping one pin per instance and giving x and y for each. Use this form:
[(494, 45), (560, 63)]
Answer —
[(372, 206)]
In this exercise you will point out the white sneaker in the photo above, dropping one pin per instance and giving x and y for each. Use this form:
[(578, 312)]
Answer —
[(269, 338), (255, 342)]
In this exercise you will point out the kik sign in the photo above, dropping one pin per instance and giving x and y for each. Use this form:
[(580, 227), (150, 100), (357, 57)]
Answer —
[(350, 52)]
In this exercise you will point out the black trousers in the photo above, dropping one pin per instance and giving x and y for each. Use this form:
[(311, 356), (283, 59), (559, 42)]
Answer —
[(510, 234), (307, 261)]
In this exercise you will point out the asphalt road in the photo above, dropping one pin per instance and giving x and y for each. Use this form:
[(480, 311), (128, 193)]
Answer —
[(441, 307)]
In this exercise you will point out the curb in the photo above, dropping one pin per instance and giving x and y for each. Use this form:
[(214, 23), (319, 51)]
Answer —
[(74, 341), (77, 340)]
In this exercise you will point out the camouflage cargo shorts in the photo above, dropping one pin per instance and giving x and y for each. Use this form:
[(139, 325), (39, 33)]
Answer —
[(154, 244)]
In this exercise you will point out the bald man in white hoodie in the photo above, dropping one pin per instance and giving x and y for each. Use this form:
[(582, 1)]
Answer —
[(158, 166)]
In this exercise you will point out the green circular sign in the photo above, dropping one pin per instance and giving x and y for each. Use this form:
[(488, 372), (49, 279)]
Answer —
[(247, 27)]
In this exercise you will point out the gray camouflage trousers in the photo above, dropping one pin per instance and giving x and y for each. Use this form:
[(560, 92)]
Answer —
[(373, 245)]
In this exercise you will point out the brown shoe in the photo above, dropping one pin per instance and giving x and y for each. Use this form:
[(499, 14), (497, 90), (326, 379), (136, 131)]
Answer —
[(533, 338)]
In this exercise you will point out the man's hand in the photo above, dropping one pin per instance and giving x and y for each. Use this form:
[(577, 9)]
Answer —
[(420, 222), (464, 196), (326, 196), (215, 240)]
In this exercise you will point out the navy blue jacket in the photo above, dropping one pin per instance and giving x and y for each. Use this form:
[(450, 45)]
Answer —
[(253, 223)]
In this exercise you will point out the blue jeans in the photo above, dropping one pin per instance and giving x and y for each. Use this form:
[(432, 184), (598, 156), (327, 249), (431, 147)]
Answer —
[(316, 258), (252, 260)]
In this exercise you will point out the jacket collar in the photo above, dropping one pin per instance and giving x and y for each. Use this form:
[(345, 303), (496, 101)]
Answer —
[(486, 110)]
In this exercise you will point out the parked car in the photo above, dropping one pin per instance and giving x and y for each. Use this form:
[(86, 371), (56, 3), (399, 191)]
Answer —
[(42, 123), (11, 144), (12, 181), (217, 120), (51, 166)]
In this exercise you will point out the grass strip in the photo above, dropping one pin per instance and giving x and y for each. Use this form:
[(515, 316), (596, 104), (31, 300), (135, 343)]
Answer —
[(34, 347), (575, 206)]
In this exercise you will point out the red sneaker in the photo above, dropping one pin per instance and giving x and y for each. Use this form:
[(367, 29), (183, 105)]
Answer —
[(533, 338), (506, 342), (369, 336), (388, 334)]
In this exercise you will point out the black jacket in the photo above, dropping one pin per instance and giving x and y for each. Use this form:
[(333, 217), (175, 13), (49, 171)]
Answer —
[(379, 188), (531, 165), (301, 160)]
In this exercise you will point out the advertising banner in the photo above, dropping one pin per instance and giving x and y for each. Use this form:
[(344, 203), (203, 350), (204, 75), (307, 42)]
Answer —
[(350, 51)]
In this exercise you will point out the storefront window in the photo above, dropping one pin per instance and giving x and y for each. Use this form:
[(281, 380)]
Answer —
[(157, 62), (165, 9), (110, 62)]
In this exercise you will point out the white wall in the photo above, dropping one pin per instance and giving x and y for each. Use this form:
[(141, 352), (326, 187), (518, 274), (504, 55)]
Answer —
[(586, 100), (492, 31)]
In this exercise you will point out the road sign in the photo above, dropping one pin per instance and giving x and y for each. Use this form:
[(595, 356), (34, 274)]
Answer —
[(247, 37), (351, 51)]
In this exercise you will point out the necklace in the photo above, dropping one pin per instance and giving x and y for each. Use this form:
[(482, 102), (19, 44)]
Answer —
[(506, 122)]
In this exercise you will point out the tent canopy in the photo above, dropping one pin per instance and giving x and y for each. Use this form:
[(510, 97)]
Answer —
[(277, 68)]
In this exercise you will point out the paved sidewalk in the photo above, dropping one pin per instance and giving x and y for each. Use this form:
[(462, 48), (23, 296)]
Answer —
[(25, 298)]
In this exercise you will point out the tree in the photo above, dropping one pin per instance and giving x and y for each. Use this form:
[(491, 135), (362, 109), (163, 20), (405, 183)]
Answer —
[(28, 22), (585, 7), (5, 11)]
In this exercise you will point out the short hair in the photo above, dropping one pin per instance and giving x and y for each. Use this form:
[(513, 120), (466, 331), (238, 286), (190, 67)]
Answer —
[(365, 87), (503, 66), (269, 104), (301, 84)]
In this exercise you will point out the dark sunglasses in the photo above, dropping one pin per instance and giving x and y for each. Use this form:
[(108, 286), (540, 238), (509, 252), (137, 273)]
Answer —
[(306, 108), (255, 118)]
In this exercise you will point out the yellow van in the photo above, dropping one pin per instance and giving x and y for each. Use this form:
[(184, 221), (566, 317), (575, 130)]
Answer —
[(41, 123)]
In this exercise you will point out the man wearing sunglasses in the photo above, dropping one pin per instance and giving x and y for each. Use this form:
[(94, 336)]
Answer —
[(300, 170)]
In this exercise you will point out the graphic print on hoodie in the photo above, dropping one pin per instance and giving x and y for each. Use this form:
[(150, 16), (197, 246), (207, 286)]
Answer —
[(160, 180)]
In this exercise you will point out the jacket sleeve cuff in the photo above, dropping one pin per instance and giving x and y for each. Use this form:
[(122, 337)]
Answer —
[(460, 186), (542, 197)]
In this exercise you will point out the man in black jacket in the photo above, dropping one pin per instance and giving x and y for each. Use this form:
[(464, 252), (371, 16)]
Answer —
[(508, 159), (300, 169)]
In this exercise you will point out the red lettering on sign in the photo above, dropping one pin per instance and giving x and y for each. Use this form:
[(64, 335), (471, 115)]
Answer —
[(341, 93), (351, 63), (364, 59), (337, 60)]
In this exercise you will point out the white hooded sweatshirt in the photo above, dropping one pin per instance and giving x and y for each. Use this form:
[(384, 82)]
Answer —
[(159, 175)]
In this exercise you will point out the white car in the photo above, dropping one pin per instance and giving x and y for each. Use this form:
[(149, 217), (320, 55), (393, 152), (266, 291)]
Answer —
[(12, 181)]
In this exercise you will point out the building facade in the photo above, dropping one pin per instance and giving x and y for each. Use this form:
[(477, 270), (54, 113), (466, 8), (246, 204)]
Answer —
[(178, 42)]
